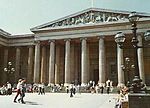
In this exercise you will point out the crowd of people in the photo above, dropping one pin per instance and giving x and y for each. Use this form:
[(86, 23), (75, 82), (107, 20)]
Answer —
[(21, 87), (6, 89), (100, 88)]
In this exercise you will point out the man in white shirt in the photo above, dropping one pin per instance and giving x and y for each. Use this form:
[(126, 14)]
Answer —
[(19, 86)]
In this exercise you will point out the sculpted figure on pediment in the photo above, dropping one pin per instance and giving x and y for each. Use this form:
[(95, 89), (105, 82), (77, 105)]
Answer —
[(70, 21), (54, 25), (86, 18), (59, 23), (90, 17), (79, 20), (64, 23), (122, 17), (98, 17), (112, 18)]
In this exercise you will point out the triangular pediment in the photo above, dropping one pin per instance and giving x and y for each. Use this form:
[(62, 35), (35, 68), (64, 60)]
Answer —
[(88, 16)]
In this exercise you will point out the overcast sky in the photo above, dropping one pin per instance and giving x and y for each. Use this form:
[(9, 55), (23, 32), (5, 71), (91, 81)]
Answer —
[(18, 16)]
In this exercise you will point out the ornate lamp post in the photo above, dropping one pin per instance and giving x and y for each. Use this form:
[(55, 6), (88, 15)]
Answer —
[(147, 36), (9, 70), (126, 67), (137, 84)]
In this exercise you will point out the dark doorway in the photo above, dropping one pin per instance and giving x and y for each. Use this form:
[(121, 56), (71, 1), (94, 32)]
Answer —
[(96, 75)]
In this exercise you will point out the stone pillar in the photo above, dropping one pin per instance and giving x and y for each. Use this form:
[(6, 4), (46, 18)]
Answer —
[(30, 65), (52, 62), (102, 58), (76, 64), (57, 65), (119, 63), (43, 65), (17, 66), (67, 62), (72, 63), (84, 62), (36, 78), (88, 62), (141, 60), (4, 75)]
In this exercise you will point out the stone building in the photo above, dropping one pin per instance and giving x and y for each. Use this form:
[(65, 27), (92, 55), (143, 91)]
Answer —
[(76, 48)]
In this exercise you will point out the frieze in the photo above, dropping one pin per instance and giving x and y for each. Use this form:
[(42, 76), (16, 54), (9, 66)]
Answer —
[(88, 18)]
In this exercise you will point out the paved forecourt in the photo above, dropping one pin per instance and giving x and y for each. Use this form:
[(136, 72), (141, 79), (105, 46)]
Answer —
[(60, 100)]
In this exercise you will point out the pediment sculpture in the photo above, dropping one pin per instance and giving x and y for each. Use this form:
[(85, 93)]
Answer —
[(88, 18)]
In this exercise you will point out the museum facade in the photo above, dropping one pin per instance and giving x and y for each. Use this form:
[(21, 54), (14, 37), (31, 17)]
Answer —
[(76, 49)]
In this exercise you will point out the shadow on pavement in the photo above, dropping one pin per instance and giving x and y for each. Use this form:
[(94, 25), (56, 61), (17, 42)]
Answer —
[(31, 103)]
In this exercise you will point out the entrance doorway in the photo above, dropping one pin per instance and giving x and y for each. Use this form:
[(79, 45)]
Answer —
[(96, 75)]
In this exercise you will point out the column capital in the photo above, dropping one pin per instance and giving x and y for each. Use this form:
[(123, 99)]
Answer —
[(68, 39), (5, 47), (83, 38), (100, 37), (17, 47), (36, 42), (30, 46), (51, 40)]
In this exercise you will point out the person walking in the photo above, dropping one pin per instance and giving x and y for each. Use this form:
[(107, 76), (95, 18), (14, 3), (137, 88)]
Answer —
[(97, 88), (40, 89), (9, 89), (43, 88), (18, 90), (108, 86), (102, 89), (67, 89), (22, 91), (71, 90)]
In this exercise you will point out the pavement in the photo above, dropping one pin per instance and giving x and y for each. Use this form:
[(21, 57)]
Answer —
[(60, 100)]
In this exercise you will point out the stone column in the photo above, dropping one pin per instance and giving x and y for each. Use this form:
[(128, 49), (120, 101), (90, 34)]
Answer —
[(30, 65), (119, 63), (4, 75), (72, 63), (84, 62), (17, 66), (52, 62), (102, 58), (57, 65), (43, 65), (141, 60), (88, 62), (76, 64), (67, 62), (36, 78)]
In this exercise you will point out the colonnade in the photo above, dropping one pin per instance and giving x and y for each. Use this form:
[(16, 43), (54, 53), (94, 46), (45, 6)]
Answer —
[(37, 63), (68, 75)]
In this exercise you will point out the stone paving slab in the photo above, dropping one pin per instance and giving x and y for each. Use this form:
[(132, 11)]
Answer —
[(60, 100)]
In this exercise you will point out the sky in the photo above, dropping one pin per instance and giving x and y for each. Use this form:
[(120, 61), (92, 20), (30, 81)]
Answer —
[(19, 16)]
